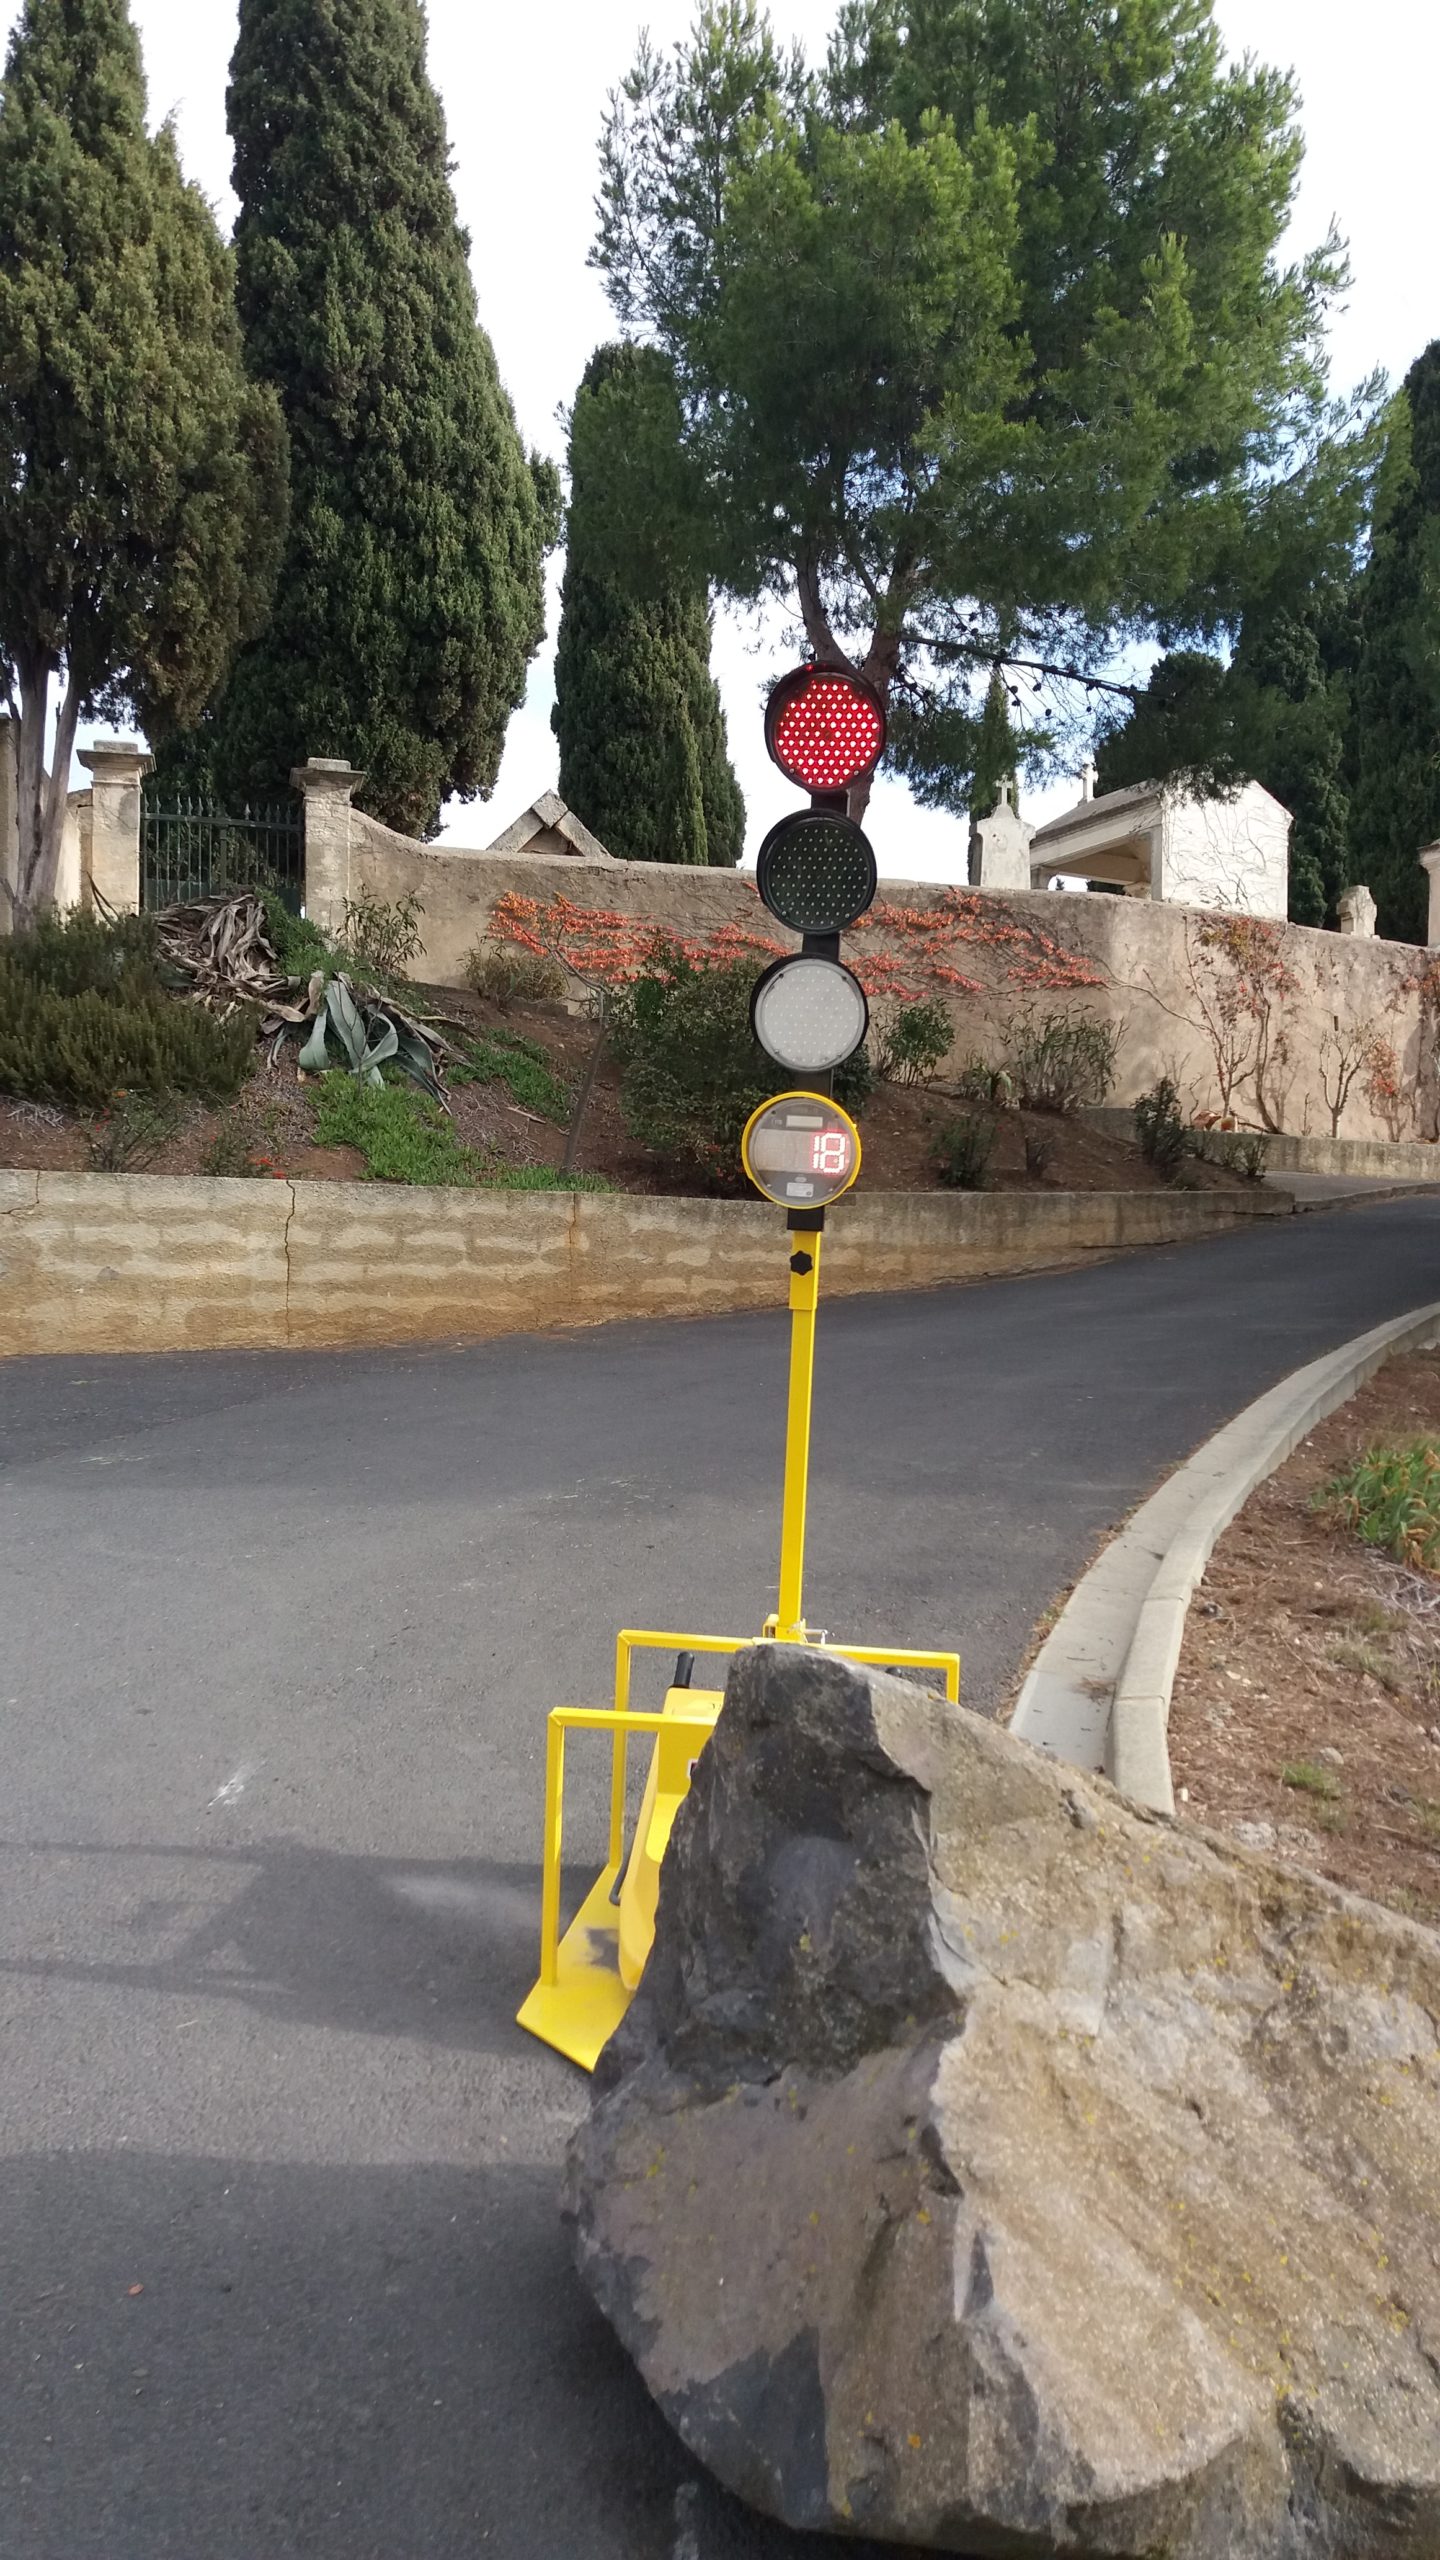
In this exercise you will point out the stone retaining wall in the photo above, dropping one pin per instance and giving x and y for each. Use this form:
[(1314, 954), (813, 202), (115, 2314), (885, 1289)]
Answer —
[(142, 1262), (1374, 1159)]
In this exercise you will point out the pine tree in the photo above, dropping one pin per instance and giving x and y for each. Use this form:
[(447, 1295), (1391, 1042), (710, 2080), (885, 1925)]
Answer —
[(1396, 739), (411, 596), (142, 476), (643, 757), (987, 344)]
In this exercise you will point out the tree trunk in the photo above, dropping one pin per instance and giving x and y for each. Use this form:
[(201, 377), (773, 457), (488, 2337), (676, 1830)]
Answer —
[(34, 674), (881, 661), (58, 792), (879, 668)]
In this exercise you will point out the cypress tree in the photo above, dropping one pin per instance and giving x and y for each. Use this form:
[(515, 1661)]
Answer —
[(142, 478), (1275, 715), (411, 596), (643, 755), (1396, 736), (1294, 707), (997, 751)]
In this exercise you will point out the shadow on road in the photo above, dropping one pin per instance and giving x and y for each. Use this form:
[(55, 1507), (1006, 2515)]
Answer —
[(444, 1950), (250, 2362)]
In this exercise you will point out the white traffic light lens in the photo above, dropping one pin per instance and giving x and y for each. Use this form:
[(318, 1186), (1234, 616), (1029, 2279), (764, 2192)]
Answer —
[(810, 1015)]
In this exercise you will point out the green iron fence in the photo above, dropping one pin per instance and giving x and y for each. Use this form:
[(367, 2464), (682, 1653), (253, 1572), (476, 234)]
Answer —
[(191, 849)]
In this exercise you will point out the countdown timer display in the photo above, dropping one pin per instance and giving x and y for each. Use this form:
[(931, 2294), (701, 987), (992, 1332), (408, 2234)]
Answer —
[(801, 1151)]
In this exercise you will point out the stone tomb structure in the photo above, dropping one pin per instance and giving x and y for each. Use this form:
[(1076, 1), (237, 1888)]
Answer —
[(1162, 842), (549, 831)]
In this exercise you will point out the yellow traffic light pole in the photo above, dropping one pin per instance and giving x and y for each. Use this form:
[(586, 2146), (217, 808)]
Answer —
[(788, 1623)]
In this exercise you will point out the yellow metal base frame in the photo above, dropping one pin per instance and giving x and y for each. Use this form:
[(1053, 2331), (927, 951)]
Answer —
[(588, 1976)]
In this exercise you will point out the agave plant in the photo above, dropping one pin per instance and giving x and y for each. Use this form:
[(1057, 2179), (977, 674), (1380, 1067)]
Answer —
[(221, 950), (365, 1033)]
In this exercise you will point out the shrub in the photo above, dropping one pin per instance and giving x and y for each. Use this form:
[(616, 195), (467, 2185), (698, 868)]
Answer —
[(963, 1151), (1160, 1131), (855, 1081), (80, 955), (1251, 1153), (1243, 1151), (382, 935), (692, 1070), (992, 1087), (83, 1049), (1061, 1061), (300, 946), (914, 1044), (506, 975), (130, 1132), (367, 1033), (1040, 1145), (1391, 1499), (231, 1153), (503, 1057)]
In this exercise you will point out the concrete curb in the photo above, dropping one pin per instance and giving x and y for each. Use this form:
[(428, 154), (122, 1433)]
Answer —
[(1098, 1693)]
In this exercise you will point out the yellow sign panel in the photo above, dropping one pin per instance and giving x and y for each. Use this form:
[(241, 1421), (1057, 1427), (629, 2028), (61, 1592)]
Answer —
[(801, 1150)]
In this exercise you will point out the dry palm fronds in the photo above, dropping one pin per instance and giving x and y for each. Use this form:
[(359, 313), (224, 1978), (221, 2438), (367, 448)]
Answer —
[(222, 948)]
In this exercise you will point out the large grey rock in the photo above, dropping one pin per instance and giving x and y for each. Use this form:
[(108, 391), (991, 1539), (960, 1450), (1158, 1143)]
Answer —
[(988, 2166)]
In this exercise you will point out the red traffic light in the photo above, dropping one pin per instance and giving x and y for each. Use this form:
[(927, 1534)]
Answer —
[(824, 728)]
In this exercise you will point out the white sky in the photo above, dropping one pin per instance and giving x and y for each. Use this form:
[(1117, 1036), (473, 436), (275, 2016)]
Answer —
[(524, 91)]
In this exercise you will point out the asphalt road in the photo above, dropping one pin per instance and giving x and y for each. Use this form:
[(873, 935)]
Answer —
[(280, 2266)]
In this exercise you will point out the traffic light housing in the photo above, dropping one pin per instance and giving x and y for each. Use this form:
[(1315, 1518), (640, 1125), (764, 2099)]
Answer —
[(817, 874)]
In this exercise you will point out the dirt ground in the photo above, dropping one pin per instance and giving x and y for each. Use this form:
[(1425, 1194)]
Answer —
[(271, 1123), (1306, 1716)]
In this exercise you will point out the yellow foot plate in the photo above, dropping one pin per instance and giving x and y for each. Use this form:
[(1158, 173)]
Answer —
[(579, 2012)]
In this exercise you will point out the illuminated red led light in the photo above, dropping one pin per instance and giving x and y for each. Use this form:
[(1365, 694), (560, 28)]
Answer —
[(824, 729)]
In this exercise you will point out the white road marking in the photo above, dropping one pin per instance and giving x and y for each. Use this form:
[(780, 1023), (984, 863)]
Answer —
[(235, 1787)]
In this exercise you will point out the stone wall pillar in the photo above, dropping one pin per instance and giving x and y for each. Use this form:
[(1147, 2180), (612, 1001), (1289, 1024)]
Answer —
[(327, 785), (1430, 862), (117, 767), (9, 820)]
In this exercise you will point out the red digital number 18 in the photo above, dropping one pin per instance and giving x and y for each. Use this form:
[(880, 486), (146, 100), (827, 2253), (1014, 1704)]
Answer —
[(830, 1152)]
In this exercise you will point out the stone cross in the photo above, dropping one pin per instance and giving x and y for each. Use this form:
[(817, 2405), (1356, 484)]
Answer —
[(1089, 775), (1358, 912), (1430, 863), (1000, 846)]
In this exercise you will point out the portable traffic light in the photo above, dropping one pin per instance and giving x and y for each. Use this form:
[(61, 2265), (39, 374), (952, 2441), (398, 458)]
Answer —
[(825, 729)]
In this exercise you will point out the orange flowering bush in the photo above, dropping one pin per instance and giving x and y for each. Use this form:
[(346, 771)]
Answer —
[(906, 953), (604, 948), (1385, 1087), (929, 941)]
